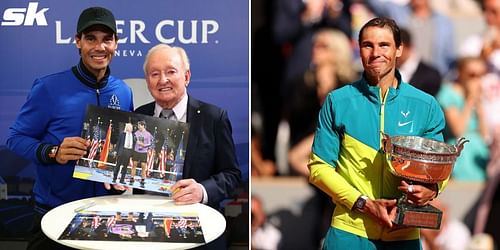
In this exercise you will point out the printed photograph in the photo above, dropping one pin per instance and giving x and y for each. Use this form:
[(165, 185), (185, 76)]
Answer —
[(131, 149), (135, 226)]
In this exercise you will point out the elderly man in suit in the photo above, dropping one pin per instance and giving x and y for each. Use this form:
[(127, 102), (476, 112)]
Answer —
[(211, 171), (125, 148)]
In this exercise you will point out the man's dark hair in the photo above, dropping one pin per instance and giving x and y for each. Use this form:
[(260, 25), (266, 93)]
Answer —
[(95, 28), (382, 22), (142, 122)]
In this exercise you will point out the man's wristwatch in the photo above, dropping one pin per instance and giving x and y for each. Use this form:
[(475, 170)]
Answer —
[(360, 203), (53, 152)]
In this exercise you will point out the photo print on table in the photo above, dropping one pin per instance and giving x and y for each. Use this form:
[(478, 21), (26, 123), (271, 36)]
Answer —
[(135, 226)]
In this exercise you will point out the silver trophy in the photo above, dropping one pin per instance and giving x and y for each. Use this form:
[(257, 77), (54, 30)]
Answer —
[(420, 160)]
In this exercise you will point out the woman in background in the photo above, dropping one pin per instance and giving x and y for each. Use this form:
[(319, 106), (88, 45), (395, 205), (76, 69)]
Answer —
[(465, 118), (331, 67)]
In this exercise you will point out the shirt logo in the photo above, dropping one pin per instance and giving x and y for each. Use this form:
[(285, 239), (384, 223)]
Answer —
[(114, 103), (404, 123), (401, 124)]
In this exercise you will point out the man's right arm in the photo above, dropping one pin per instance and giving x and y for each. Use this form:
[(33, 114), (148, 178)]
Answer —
[(324, 154), (329, 181), (25, 135)]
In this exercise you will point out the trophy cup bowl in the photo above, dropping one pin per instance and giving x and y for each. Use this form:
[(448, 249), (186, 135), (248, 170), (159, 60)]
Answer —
[(421, 161)]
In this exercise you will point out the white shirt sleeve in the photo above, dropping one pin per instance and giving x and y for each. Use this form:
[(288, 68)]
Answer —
[(205, 195)]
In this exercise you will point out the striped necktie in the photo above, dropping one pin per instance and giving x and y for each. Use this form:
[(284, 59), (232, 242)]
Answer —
[(168, 114)]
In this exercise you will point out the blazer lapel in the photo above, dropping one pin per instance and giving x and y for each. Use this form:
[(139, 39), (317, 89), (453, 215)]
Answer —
[(193, 119), (151, 109)]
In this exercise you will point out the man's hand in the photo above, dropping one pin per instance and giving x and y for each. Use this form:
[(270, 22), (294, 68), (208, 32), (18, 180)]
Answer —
[(419, 195), (381, 210), (72, 148), (187, 191), (118, 187)]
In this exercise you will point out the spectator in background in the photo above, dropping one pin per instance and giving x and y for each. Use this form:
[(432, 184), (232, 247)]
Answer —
[(489, 191), (331, 68), (265, 236), (295, 23), (260, 165), (465, 118), (266, 87), (414, 70), (487, 46), (433, 32), (453, 234), (488, 197)]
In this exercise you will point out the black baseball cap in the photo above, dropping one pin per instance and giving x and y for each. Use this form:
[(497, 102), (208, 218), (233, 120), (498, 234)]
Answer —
[(96, 15)]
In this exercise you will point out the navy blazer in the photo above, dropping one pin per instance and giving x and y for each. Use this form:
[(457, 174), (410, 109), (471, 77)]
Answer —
[(210, 153)]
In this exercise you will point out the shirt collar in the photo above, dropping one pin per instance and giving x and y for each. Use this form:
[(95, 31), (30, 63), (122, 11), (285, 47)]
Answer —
[(180, 109), (373, 92), (86, 77)]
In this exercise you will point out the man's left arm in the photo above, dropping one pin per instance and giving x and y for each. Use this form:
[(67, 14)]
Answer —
[(434, 131)]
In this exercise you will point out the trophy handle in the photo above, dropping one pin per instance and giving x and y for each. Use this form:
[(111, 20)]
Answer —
[(459, 146), (386, 143)]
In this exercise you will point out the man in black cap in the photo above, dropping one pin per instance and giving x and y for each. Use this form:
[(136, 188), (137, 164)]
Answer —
[(47, 129)]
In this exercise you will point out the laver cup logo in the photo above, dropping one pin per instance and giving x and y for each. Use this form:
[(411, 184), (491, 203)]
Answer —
[(167, 31), (30, 16)]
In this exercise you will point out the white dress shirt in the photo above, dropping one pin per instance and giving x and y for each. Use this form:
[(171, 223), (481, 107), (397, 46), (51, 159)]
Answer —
[(180, 113)]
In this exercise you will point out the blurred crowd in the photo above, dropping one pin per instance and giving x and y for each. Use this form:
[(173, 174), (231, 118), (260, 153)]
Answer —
[(303, 49)]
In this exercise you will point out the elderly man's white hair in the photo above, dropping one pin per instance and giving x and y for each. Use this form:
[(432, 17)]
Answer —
[(182, 53)]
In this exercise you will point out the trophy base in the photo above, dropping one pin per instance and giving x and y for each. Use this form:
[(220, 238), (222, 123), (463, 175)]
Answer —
[(409, 215)]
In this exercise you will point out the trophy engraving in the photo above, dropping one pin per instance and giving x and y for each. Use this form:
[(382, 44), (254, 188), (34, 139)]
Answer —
[(420, 160)]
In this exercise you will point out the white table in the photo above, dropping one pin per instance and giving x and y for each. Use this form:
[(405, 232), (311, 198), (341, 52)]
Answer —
[(56, 220)]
